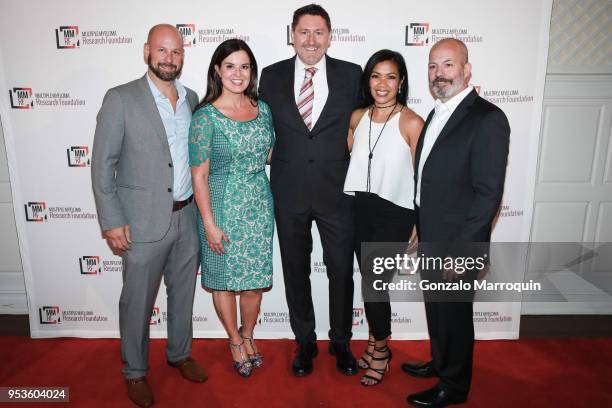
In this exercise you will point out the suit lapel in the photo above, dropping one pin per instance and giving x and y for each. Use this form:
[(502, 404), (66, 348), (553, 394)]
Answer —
[(193, 102), (420, 142), (152, 112), (288, 94), (460, 112)]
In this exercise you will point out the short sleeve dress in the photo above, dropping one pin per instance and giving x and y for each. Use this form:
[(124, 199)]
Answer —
[(240, 196)]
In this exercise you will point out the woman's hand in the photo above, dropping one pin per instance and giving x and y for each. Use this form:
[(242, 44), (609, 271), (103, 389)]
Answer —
[(215, 238)]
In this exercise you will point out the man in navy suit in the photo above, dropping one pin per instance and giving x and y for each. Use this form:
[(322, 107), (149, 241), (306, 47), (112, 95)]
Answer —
[(312, 96), (460, 165)]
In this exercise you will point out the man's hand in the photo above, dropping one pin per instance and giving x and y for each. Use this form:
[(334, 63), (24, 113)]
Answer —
[(449, 275), (413, 242), (119, 239)]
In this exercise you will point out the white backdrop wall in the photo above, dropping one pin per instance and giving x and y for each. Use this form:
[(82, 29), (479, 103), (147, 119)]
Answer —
[(58, 59)]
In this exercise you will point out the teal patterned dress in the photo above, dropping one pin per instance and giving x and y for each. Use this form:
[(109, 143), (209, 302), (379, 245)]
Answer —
[(240, 196)]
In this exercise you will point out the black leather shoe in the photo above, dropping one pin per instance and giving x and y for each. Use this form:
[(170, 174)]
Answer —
[(302, 363), (419, 369), (345, 362), (436, 397)]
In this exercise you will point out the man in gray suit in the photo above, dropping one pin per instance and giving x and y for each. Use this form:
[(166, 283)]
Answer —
[(142, 186)]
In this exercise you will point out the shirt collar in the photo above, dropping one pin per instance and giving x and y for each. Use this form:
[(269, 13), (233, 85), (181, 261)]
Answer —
[(300, 66), (182, 92), (453, 102)]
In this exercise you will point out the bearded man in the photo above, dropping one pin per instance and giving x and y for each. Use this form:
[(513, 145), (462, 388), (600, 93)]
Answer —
[(142, 187), (460, 167)]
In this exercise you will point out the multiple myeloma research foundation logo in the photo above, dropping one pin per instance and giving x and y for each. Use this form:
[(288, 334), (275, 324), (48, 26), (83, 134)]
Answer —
[(344, 35), (507, 211), (95, 265), (90, 265), (71, 37), (423, 34), (159, 316), (338, 35), (273, 317), (26, 98), (503, 96), (358, 316), (53, 315), (399, 318), (49, 315), (39, 211), (36, 211), (491, 317), (67, 37), (21, 98), (413, 102), (78, 156), (199, 318), (417, 34), (155, 317), (188, 31), (210, 35)]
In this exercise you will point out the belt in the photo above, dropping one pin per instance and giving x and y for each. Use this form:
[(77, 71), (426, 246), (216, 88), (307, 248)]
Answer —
[(177, 205)]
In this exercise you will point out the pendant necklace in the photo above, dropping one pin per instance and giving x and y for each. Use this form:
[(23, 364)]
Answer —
[(370, 147)]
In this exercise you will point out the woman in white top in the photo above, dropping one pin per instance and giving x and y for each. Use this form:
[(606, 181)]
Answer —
[(382, 139)]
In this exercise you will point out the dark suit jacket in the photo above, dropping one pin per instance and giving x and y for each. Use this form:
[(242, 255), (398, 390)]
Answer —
[(463, 178), (309, 166)]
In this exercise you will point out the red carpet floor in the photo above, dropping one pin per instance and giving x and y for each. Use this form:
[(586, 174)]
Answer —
[(525, 373)]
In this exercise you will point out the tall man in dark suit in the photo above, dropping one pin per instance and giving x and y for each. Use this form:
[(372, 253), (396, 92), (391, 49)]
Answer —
[(142, 186), (312, 96), (460, 171)]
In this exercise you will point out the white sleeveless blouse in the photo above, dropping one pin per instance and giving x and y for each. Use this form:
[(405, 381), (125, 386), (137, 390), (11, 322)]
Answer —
[(391, 171)]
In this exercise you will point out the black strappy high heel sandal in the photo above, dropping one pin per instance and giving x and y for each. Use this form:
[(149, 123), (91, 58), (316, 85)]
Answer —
[(380, 371), (362, 363)]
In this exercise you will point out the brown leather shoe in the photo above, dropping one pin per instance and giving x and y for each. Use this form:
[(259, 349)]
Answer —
[(140, 391), (190, 369)]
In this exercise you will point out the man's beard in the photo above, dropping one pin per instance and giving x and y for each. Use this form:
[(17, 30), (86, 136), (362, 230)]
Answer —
[(445, 93), (164, 75)]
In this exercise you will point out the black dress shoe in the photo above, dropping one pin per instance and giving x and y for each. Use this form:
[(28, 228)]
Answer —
[(419, 369), (436, 397), (302, 363), (345, 362)]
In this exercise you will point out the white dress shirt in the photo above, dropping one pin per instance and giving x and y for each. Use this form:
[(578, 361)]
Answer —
[(443, 111), (319, 83)]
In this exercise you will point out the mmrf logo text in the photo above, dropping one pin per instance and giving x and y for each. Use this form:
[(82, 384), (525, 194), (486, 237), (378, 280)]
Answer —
[(36, 211), (67, 37), (21, 98), (188, 32), (49, 315), (90, 265), (417, 34), (78, 156)]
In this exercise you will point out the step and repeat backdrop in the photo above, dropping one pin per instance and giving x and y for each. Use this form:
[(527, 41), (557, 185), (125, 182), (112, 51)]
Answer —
[(57, 59)]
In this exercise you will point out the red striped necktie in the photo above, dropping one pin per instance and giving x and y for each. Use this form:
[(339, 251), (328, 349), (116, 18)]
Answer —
[(306, 97)]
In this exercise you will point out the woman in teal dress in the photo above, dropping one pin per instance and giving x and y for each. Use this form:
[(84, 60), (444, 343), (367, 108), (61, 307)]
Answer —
[(230, 141)]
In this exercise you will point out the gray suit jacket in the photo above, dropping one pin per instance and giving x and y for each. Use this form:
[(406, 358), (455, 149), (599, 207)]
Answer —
[(131, 166)]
